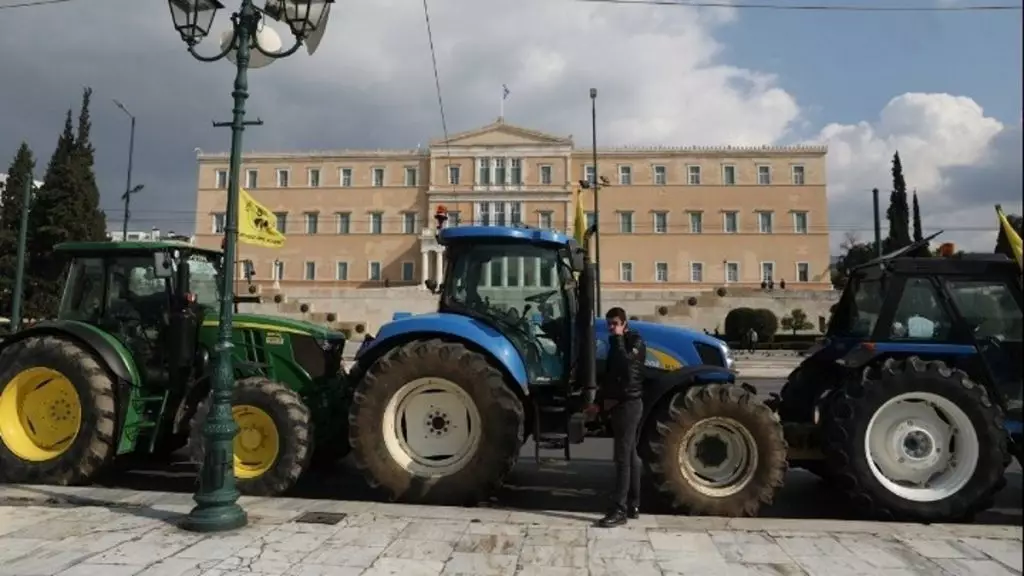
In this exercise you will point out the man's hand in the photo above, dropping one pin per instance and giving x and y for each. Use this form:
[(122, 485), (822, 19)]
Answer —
[(617, 329), (591, 409)]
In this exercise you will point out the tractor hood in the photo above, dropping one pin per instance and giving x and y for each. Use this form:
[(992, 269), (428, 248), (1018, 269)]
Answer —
[(279, 324), (671, 347)]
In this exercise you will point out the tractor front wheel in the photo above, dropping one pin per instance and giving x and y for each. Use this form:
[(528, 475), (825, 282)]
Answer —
[(716, 450), (433, 422), (57, 413), (916, 441), (274, 443)]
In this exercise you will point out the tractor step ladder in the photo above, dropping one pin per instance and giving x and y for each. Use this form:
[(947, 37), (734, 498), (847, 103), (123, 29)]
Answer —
[(551, 439), (150, 420)]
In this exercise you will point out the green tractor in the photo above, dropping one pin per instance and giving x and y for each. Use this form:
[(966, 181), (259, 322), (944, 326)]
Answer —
[(125, 369)]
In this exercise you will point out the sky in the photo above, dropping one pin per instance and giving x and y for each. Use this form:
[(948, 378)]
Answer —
[(945, 89)]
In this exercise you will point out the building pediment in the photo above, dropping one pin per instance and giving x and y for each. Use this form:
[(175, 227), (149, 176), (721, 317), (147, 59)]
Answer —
[(501, 134)]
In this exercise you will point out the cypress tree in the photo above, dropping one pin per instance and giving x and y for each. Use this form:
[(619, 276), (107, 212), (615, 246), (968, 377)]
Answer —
[(924, 251), (11, 202), (898, 212)]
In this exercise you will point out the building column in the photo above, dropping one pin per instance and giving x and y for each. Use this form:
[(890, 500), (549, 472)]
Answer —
[(439, 263), (424, 266)]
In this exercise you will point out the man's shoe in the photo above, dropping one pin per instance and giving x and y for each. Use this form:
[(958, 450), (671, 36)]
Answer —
[(614, 518), (632, 512)]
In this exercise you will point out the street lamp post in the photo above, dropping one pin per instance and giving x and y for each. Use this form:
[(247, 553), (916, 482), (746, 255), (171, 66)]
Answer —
[(597, 210), (19, 270), (247, 46), (128, 190)]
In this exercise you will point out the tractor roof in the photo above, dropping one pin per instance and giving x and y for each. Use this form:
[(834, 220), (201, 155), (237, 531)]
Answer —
[(115, 248), (524, 234)]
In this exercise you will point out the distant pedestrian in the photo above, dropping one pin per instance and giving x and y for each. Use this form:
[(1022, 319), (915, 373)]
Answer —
[(752, 340)]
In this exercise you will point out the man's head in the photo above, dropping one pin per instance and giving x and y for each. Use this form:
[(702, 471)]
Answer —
[(615, 318)]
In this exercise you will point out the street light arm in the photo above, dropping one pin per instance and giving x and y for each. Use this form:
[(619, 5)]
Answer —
[(227, 50), (279, 54)]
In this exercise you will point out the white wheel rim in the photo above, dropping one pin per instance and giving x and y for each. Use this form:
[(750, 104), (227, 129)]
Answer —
[(718, 456), (431, 427), (921, 447)]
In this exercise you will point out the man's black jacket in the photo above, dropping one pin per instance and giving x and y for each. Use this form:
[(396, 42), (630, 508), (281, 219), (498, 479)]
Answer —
[(626, 357)]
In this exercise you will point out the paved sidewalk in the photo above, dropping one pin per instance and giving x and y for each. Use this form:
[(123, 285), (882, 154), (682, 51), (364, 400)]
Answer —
[(87, 531)]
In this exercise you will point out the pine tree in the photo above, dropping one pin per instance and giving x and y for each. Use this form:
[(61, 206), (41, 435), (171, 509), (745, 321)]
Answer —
[(95, 221), (898, 212), (11, 199)]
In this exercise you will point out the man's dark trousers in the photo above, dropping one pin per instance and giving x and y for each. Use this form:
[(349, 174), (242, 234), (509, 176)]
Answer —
[(626, 427)]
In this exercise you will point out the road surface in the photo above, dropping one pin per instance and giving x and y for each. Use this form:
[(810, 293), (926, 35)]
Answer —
[(576, 486)]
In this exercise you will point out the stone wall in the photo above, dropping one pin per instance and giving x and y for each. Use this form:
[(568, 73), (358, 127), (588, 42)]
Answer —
[(373, 307)]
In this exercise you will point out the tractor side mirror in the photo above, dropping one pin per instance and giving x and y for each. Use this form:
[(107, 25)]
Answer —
[(576, 260), (163, 265), (431, 285)]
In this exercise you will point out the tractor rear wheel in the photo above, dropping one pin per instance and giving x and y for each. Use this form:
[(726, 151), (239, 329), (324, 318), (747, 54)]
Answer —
[(717, 450), (274, 443), (57, 413), (917, 441), (433, 422)]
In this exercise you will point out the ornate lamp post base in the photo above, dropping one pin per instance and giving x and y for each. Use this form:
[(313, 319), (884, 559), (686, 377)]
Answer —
[(215, 518)]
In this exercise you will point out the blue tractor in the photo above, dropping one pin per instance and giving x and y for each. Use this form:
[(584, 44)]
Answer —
[(911, 404), (443, 402)]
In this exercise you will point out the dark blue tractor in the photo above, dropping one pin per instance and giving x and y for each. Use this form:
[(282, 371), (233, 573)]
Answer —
[(911, 404), (444, 402)]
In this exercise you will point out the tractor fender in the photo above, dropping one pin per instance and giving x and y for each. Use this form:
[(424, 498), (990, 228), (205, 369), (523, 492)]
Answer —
[(440, 325), (666, 384), (114, 355)]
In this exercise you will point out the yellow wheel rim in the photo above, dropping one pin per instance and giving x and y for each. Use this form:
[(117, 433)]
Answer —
[(257, 443), (40, 414)]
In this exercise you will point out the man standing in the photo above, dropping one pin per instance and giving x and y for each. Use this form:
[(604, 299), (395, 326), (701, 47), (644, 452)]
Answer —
[(623, 397)]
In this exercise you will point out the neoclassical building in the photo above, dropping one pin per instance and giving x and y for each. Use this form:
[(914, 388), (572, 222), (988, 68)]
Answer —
[(679, 217)]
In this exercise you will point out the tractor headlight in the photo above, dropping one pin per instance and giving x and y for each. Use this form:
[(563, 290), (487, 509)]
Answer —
[(727, 354)]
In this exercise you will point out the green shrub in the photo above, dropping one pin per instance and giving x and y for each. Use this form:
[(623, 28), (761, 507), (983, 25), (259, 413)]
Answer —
[(737, 322), (766, 323)]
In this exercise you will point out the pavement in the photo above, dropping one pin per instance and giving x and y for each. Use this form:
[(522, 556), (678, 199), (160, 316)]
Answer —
[(52, 531)]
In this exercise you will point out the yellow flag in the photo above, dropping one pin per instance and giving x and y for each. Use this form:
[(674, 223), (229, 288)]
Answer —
[(256, 223), (580, 221), (1012, 238)]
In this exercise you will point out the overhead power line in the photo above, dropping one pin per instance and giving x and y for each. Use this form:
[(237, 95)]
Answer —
[(812, 7), (31, 3)]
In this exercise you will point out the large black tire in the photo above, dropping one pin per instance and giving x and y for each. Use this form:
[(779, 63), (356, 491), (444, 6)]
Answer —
[(294, 427), (95, 444), (677, 417), (501, 426), (797, 403), (850, 413)]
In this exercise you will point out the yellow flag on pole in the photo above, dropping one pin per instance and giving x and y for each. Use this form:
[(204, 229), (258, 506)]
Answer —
[(256, 224), (580, 221), (1012, 237)]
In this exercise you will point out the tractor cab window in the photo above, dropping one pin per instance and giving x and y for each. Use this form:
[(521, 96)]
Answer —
[(134, 292), (857, 312), (989, 308), (204, 279), (487, 281), (83, 292), (919, 314)]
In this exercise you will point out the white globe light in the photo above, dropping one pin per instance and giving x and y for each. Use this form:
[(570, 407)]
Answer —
[(268, 39)]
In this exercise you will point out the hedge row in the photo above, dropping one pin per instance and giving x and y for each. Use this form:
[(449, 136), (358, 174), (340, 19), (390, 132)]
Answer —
[(794, 346), (739, 321)]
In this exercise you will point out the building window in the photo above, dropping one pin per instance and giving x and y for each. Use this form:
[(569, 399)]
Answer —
[(310, 271), (314, 177), (661, 271), (661, 222), (803, 272), (499, 171), (765, 220), (625, 175), (546, 175), (696, 222), (312, 222), (376, 223), (731, 222), (660, 176), (218, 223), (281, 222), (454, 218), (411, 176), (591, 219), (346, 177), (693, 175), (277, 270), (374, 271), (764, 175), (378, 177), (767, 271), (589, 174), (546, 220), (625, 222), (341, 271), (483, 171), (697, 272), (732, 272), (729, 175), (409, 223), (408, 272), (344, 222), (221, 177), (498, 213), (798, 175), (454, 175), (625, 271), (516, 178), (800, 222), (283, 177), (252, 179)]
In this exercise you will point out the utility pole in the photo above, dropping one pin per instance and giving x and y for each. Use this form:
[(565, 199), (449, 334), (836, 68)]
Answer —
[(128, 190), (597, 210), (878, 223), (19, 270)]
